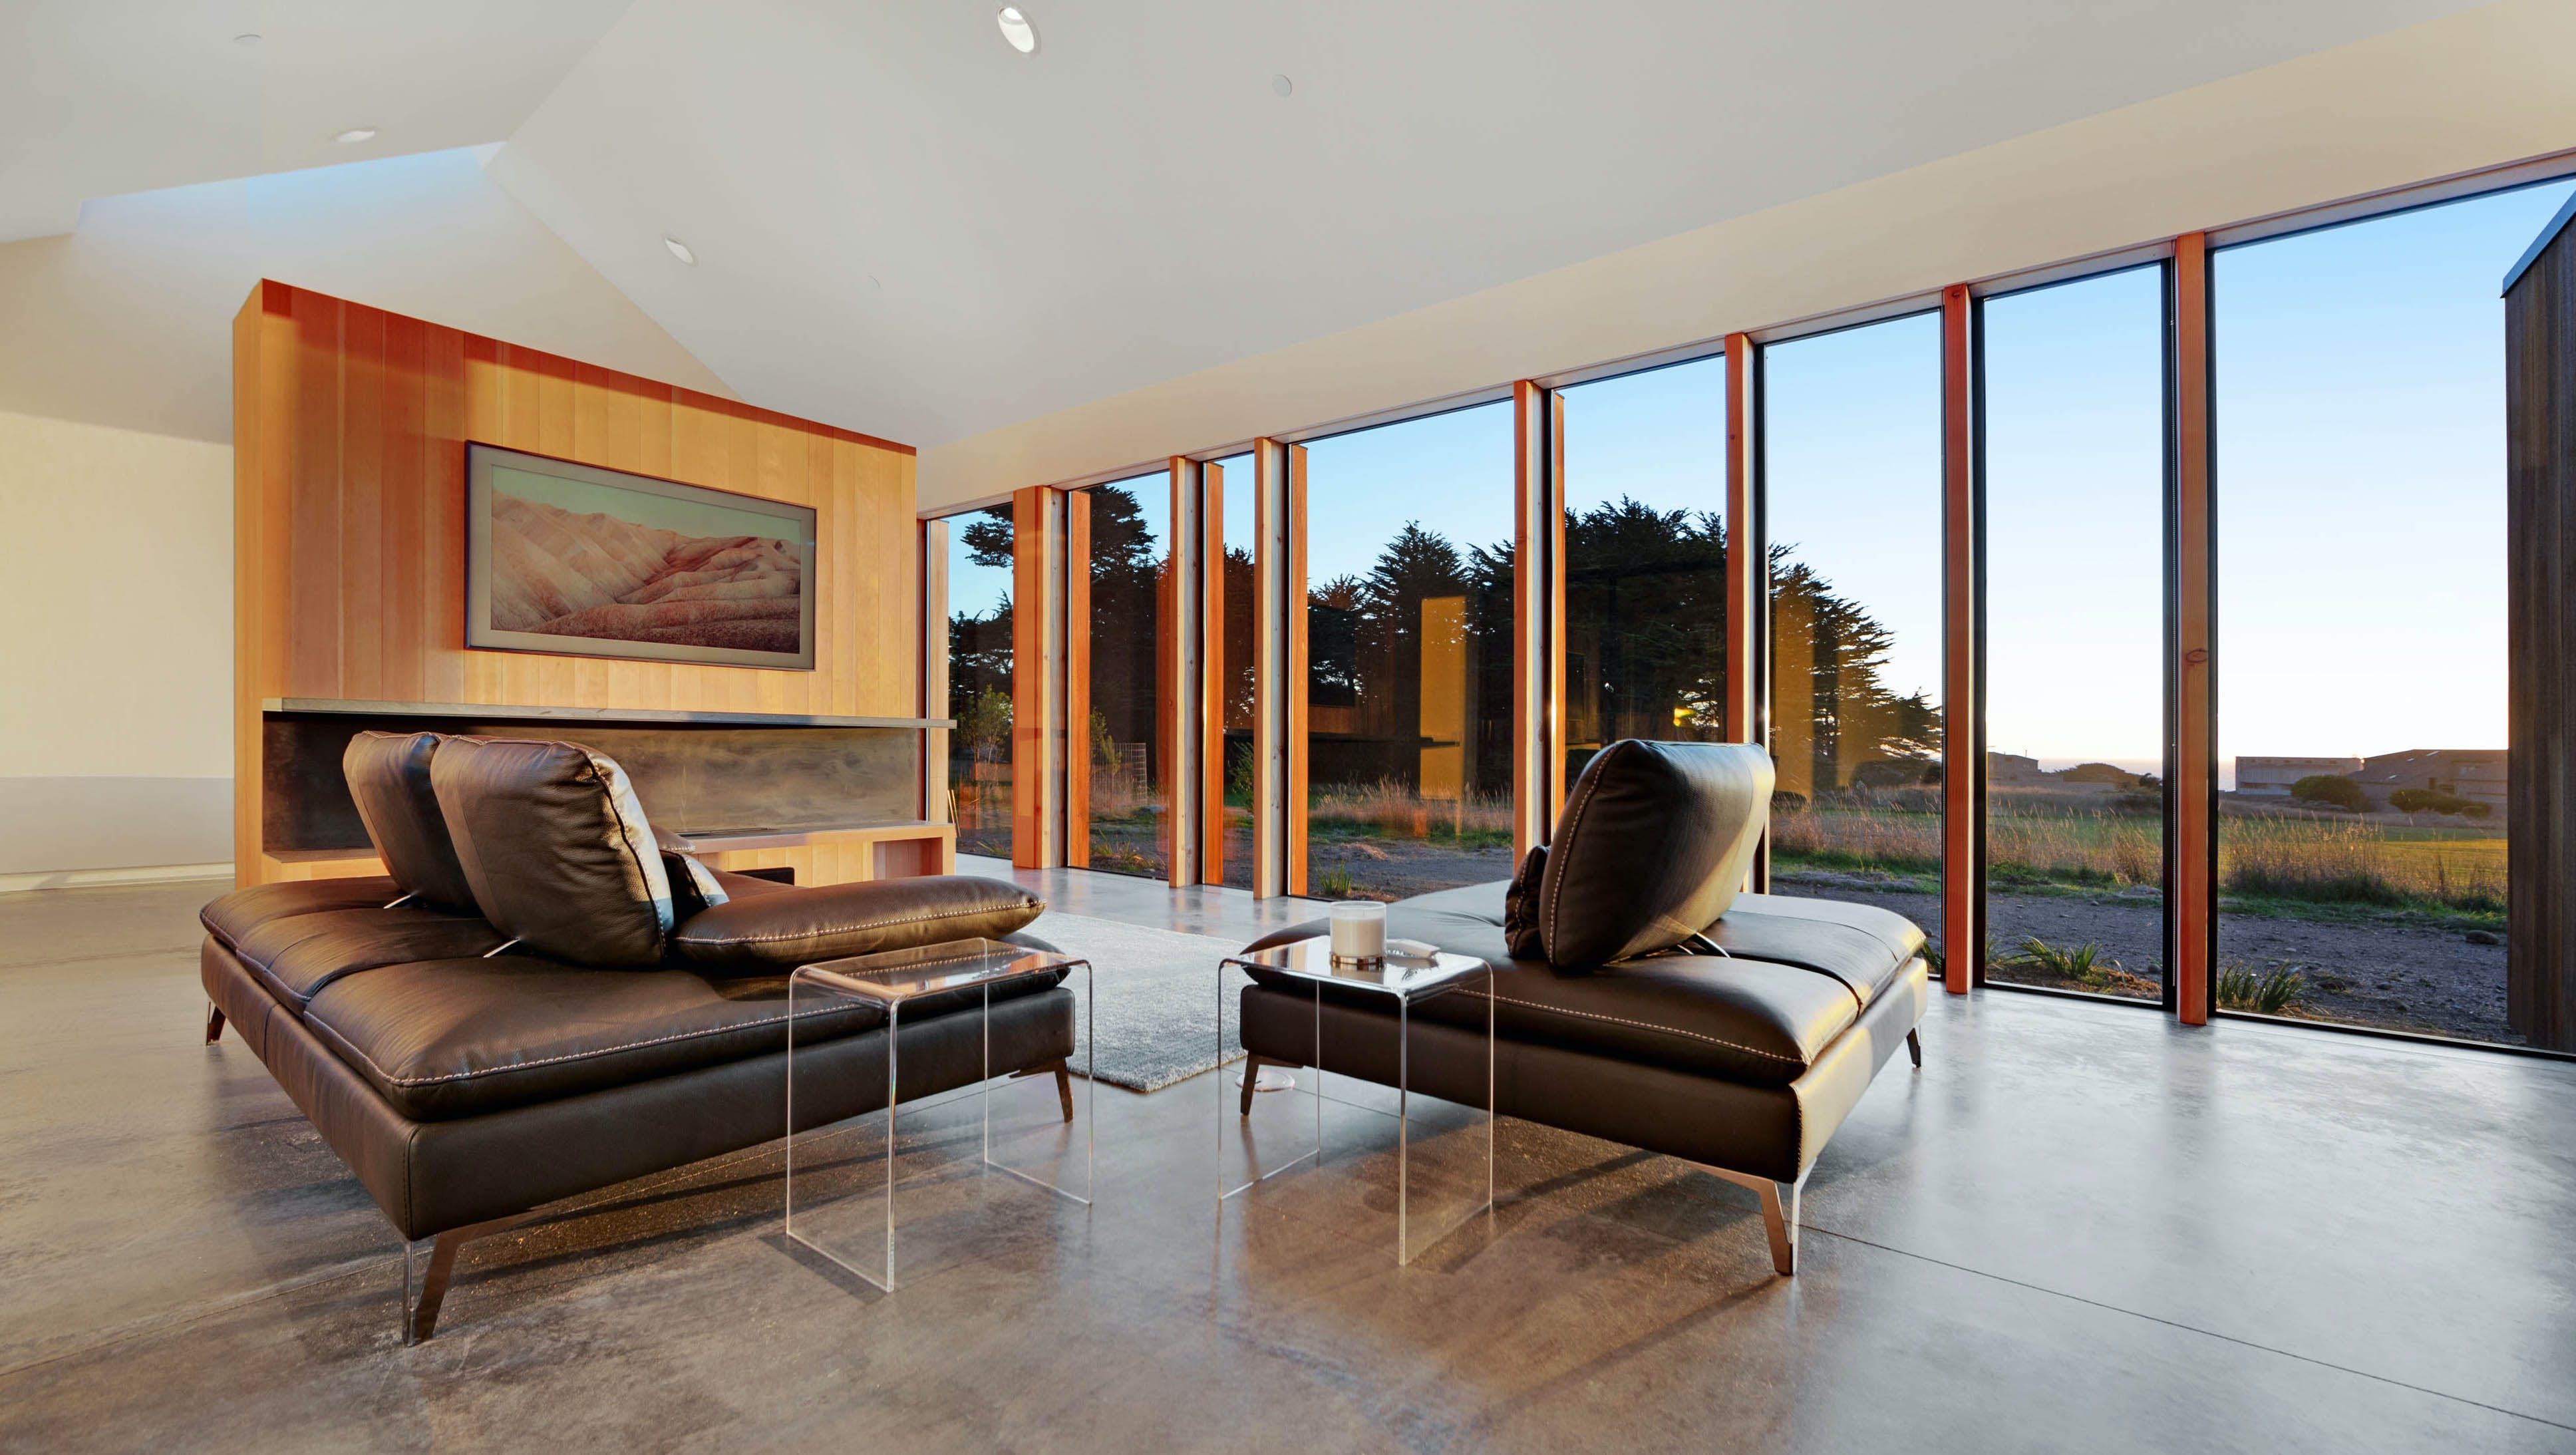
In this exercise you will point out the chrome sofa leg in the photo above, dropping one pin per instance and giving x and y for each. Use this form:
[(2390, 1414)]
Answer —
[(1914, 1046), (1779, 1213), (214, 1023), (426, 1273), (425, 1288)]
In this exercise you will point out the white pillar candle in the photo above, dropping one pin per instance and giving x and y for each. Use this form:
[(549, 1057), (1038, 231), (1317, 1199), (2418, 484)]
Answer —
[(1359, 931)]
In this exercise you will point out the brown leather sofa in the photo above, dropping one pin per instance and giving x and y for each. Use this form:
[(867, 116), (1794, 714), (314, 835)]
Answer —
[(1638, 996), (541, 998)]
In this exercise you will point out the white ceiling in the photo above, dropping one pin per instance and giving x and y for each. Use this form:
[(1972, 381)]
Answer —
[(104, 97), (907, 228)]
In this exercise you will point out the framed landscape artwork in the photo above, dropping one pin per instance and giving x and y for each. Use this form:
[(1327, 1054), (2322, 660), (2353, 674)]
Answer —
[(578, 560)]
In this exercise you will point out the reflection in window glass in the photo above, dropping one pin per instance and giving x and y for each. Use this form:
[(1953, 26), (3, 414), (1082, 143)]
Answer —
[(1409, 649), (2075, 470), (2361, 613), (1130, 799), (1234, 638), (1852, 494), (1645, 559), (979, 680)]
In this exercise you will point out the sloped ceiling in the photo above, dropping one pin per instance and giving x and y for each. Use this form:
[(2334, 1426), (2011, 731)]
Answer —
[(104, 97), (906, 227)]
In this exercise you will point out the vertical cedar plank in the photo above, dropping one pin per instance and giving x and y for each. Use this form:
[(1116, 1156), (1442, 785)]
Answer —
[(1963, 759), (349, 524), (2193, 670)]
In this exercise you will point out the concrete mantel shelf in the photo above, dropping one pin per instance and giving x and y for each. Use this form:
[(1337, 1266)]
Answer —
[(521, 712)]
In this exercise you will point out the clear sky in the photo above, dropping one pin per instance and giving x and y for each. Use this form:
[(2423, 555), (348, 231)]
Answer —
[(2360, 425), (2075, 522), (2360, 428)]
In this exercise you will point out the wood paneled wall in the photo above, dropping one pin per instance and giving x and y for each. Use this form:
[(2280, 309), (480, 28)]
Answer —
[(2540, 606), (350, 426)]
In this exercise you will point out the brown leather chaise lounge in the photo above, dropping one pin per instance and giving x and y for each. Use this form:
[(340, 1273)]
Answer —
[(541, 1000), (1638, 996)]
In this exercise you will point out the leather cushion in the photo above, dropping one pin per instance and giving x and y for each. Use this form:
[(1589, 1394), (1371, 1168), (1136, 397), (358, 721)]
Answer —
[(1758, 1021), (235, 915), (1863, 947), (557, 848), (1520, 907), (1654, 843), (461, 1037), (295, 956), (388, 777), (773, 932)]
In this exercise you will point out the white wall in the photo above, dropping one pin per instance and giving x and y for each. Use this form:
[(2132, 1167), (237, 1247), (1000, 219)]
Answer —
[(116, 721), (2488, 87), (116, 465)]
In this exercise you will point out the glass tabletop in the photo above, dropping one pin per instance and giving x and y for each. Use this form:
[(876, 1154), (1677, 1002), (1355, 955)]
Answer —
[(894, 976), (1312, 959)]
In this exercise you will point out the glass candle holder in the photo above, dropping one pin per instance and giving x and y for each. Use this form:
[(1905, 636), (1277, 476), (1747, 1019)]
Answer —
[(1359, 931)]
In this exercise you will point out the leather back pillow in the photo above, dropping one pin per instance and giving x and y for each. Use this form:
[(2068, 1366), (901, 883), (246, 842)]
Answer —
[(1654, 843), (388, 777), (556, 847)]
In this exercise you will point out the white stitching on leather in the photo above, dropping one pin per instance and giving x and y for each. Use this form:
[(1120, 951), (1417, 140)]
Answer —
[(392, 1079), (816, 934), (1641, 1025)]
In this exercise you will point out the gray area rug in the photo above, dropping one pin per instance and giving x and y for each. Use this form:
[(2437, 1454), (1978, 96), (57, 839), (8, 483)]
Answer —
[(1157, 1016)]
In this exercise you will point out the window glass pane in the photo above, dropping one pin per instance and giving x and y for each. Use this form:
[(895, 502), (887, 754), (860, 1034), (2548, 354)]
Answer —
[(2361, 616), (979, 680), (1409, 646), (1645, 559), (1852, 494), (1238, 514), (2075, 472), (1130, 566)]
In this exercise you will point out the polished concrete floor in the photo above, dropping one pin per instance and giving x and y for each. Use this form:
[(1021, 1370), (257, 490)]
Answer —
[(2077, 1228)]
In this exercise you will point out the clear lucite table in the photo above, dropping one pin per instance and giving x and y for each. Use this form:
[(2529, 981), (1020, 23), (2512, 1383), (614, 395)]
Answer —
[(893, 980), (1408, 981)]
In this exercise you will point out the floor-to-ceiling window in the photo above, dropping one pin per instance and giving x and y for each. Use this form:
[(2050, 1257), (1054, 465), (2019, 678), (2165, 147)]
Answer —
[(1234, 523), (2074, 390), (1645, 558), (979, 680), (1852, 509), (2359, 420), (1126, 742), (1409, 533)]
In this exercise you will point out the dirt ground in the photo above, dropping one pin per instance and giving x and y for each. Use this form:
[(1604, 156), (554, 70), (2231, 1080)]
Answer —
[(2384, 973)]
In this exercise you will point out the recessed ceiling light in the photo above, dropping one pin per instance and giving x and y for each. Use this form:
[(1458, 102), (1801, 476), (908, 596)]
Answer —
[(1017, 30), (246, 38), (355, 135), (681, 251), (1282, 85)]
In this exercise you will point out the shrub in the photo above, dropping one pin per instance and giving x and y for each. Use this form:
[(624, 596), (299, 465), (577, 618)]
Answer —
[(2332, 790), (2267, 992), (2428, 800), (2084, 965)]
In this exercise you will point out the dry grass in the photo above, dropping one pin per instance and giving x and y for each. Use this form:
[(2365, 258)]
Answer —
[(1393, 810), (2271, 856), (2358, 863)]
